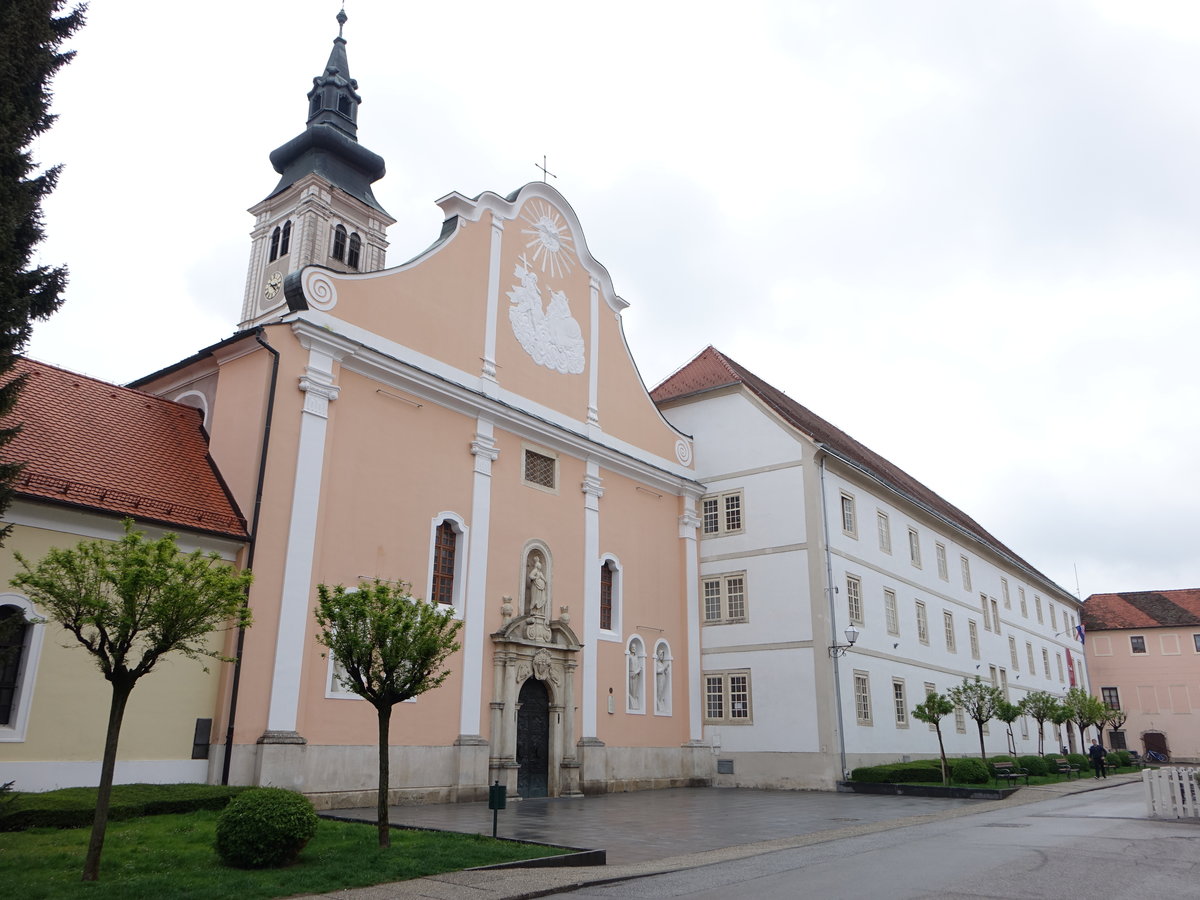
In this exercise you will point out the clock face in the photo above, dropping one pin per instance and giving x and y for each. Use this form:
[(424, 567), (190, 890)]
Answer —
[(273, 284)]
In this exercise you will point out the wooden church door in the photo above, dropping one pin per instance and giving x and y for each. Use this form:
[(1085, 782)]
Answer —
[(533, 739)]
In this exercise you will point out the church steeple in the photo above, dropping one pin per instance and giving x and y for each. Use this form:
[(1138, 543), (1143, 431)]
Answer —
[(322, 211)]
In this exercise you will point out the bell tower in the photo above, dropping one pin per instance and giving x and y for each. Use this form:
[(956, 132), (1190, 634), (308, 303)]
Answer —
[(322, 211)]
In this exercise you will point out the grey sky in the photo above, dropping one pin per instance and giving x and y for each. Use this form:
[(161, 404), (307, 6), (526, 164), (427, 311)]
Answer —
[(964, 233)]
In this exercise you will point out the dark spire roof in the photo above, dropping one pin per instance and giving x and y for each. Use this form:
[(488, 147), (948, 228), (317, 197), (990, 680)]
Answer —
[(329, 145)]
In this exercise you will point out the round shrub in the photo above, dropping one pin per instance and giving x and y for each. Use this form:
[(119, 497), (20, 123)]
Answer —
[(1034, 765), (1080, 760), (264, 828), (1123, 758), (968, 771)]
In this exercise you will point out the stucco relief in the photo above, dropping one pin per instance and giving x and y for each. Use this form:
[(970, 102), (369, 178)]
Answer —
[(550, 336), (319, 290)]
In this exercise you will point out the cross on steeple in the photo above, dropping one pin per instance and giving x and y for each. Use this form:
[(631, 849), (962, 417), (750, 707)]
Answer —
[(545, 171)]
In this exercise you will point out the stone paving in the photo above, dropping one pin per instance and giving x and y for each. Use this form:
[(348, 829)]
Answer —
[(649, 832)]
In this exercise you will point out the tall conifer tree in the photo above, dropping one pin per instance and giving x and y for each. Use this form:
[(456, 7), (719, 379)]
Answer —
[(33, 32)]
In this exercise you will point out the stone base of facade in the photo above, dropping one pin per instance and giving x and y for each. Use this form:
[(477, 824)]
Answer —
[(777, 771)]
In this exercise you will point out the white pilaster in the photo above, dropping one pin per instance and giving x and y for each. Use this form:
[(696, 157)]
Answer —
[(592, 492), (593, 411), (688, 523), (483, 448), (493, 300)]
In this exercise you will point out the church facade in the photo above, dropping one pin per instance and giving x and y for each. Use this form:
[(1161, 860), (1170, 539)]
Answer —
[(470, 423)]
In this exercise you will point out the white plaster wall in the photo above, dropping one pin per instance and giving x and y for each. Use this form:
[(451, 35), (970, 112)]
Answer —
[(783, 704)]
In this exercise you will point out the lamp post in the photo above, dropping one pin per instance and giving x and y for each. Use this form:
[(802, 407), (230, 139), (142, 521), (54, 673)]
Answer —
[(836, 649)]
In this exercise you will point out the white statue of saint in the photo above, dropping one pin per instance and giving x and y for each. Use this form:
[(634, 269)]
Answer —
[(662, 678), (635, 676), (537, 589)]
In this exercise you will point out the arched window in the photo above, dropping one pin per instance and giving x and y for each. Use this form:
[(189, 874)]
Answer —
[(274, 245), (285, 241), (354, 252), (339, 243), (13, 630), (445, 556), (606, 595), (20, 646)]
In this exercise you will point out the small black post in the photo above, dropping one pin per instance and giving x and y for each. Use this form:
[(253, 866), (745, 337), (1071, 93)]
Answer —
[(497, 800)]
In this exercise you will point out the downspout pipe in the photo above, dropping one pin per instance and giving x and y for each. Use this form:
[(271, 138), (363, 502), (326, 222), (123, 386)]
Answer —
[(258, 499), (822, 453)]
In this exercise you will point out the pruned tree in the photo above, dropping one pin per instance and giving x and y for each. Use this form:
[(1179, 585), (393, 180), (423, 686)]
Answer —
[(1114, 720), (1086, 711), (1008, 713), (1061, 716), (1042, 708), (129, 604), (29, 59), (391, 647), (935, 708), (979, 701)]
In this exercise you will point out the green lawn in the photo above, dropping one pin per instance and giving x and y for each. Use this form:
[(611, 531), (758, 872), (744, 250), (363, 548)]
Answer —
[(172, 856)]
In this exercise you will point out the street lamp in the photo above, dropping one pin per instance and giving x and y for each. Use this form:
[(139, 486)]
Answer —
[(836, 649)]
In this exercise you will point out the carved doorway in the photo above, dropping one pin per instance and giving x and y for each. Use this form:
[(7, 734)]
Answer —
[(533, 739)]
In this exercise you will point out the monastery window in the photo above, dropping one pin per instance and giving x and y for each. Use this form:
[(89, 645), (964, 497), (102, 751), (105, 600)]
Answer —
[(1029, 657), (966, 572), (1025, 727), (849, 517), (1012, 654), (854, 603), (274, 254), (960, 720), (1004, 683), (900, 702), (862, 697), (973, 634), (354, 251), (1046, 662), (1111, 698), (1196, 642), (889, 611), (1037, 607), (339, 244), (948, 628), (445, 556), (540, 469), (885, 532), (20, 646), (1024, 605), (721, 513), (914, 547), (1004, 591), (922, 623), (942, 566), (1137, 643), (1061, 676), (727, 698), (285, 238), (606, 595), (724, 599), (1053, 618), (930, 688), (995, 615), (987, 621)]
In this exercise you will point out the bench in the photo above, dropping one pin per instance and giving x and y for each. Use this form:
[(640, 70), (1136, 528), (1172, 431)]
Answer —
[(1063, 767), (1135, 759), (1009, 772)]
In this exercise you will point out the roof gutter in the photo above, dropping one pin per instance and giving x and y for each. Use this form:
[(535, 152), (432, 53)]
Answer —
[(258, 502)]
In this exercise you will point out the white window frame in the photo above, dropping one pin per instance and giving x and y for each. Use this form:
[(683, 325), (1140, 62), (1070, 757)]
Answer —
[(1024, 604), (890, 611), (526, 449), (1012, 653), (458, 603), (854, 603), (943, 567), (965, 565), (1037, 608), (722, 511), (1031, 658), (900, 702), (987, 616), (1046, 662), (960, 720), (15, 731), (914, 547), (726, 693), (722, 582), (885, 531), (613, 634), (995, 614), (862, 697), (849, 515), (948, 629), (1004, 593), (973, 635), (1053, 617), (930, 688), (922, 622)]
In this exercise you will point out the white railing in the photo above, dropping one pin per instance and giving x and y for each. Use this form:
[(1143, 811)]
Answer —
[(1172, 792)]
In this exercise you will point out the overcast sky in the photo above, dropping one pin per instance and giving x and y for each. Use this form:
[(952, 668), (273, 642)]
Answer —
[(965, 233)]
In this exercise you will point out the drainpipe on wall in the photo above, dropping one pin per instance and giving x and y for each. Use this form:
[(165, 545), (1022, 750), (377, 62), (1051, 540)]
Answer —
[(829, 590), (258, 496)]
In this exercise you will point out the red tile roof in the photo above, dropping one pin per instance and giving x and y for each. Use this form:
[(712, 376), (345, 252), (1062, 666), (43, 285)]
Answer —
[(1141, 609), (95, 445), (712, 369)]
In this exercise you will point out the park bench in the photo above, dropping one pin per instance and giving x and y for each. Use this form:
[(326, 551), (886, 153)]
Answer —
[(1135, 759), (1009, 772), (1064, 767)]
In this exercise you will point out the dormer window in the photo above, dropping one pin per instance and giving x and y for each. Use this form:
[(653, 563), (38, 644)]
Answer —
[(285, 240), (274, 245), (339, 244), (355, 251)]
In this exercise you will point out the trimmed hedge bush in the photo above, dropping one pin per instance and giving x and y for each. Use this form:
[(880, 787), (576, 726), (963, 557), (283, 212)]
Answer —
[(265, 828), (1124, 758), (1034, 765), (1080, 760), (76, 807), (969, 771), (920, 771)]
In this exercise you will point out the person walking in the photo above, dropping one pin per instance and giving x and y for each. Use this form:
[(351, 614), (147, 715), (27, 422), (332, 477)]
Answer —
[(1098, 755)]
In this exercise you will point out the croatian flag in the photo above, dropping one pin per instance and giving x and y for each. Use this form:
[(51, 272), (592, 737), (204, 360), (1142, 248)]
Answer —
[(1079, 633)]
